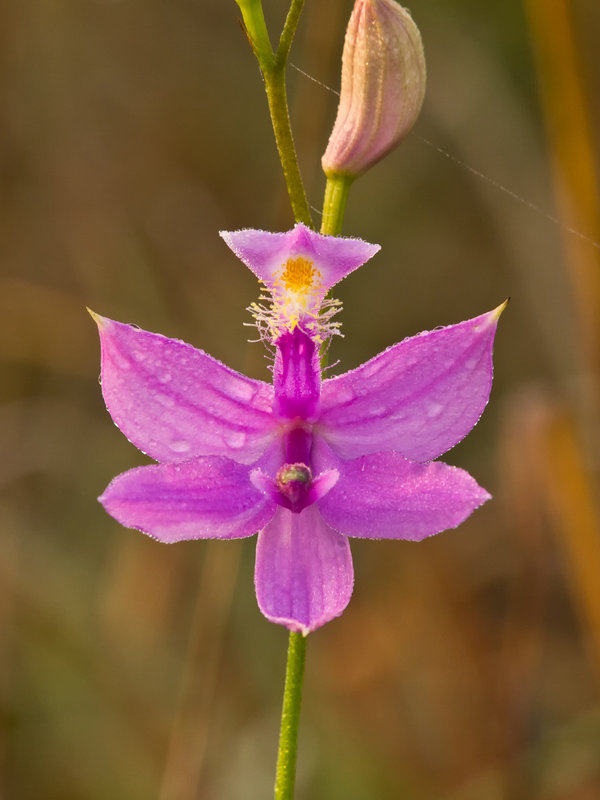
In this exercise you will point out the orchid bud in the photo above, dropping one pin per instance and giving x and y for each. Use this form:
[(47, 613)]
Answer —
[(383, 84)]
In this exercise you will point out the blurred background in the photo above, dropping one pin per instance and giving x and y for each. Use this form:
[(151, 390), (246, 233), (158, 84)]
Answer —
[(467, 666)]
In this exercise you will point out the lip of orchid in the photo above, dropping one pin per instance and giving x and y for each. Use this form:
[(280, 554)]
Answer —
[(296, 270), (307, 463)]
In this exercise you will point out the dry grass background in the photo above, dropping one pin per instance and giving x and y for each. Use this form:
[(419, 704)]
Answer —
[(465, 667)]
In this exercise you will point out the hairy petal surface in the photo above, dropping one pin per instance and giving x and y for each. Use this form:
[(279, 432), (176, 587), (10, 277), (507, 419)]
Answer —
[(174, 402), (304, 574), (204, 498), (385, 496), (419, 397), (264, 252)]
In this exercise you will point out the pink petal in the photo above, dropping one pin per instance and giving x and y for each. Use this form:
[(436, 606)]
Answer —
[(175, 402), (265, 253), (419, 397), (200, 499), (385, 496), (304, 573)]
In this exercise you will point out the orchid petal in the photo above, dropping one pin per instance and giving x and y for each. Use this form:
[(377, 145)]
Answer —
[(204, 498), (265, 253), (419, 397), (304, 574), (175, 402), (385, 496)]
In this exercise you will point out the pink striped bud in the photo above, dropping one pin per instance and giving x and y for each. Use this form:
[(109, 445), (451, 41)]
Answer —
[(383, 84)]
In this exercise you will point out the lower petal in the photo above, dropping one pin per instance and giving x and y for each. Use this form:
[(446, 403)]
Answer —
[(304, 575), (199, 499), (386, 496)]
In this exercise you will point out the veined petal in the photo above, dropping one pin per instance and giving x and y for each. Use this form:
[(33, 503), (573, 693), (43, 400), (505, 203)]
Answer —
[(265, 253), (304, 574), (419, 397), (203, 498), (385, 496), (383, 84), (175, 402)]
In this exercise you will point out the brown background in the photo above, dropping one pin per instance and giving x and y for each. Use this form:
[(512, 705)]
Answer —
[(468, 666)]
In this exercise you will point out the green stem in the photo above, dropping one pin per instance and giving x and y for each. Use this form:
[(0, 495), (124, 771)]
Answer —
[(277, 97), (273, 66), (290, 718), (289, 29), (256, 30), (334, 203)]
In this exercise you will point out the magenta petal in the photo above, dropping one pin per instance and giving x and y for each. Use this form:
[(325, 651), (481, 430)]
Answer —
[(175, 402), (304, 573), (200, 499), (419, 397), (265, 253), (385, 496)]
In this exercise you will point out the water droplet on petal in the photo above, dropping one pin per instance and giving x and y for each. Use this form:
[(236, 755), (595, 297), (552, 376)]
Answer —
[(240, 390), (235, 439), (180, 446), (434, 409), (344, 394), (165, 400)]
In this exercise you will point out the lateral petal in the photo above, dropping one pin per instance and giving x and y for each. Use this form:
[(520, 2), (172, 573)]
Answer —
[(175, 402), (204, 498), (419, 397), (385, 496), (304, 574)]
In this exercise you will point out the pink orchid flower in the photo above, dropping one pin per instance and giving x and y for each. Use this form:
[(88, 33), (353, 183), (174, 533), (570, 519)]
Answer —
[(305, 462)]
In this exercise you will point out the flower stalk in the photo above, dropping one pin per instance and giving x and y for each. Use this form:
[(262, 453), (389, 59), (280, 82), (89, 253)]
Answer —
[(290, 718), (273, 67), (337, 189), (280, 119), (256, 30)]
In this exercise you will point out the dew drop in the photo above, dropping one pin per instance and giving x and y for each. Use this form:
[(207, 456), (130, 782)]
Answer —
[(235, 439), (180, 446), (434, 409), (373, 369), (240, 390), (344, 394), (165, 400), (120, 361)]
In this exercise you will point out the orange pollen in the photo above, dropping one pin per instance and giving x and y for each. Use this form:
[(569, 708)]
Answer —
[(298, 275)]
